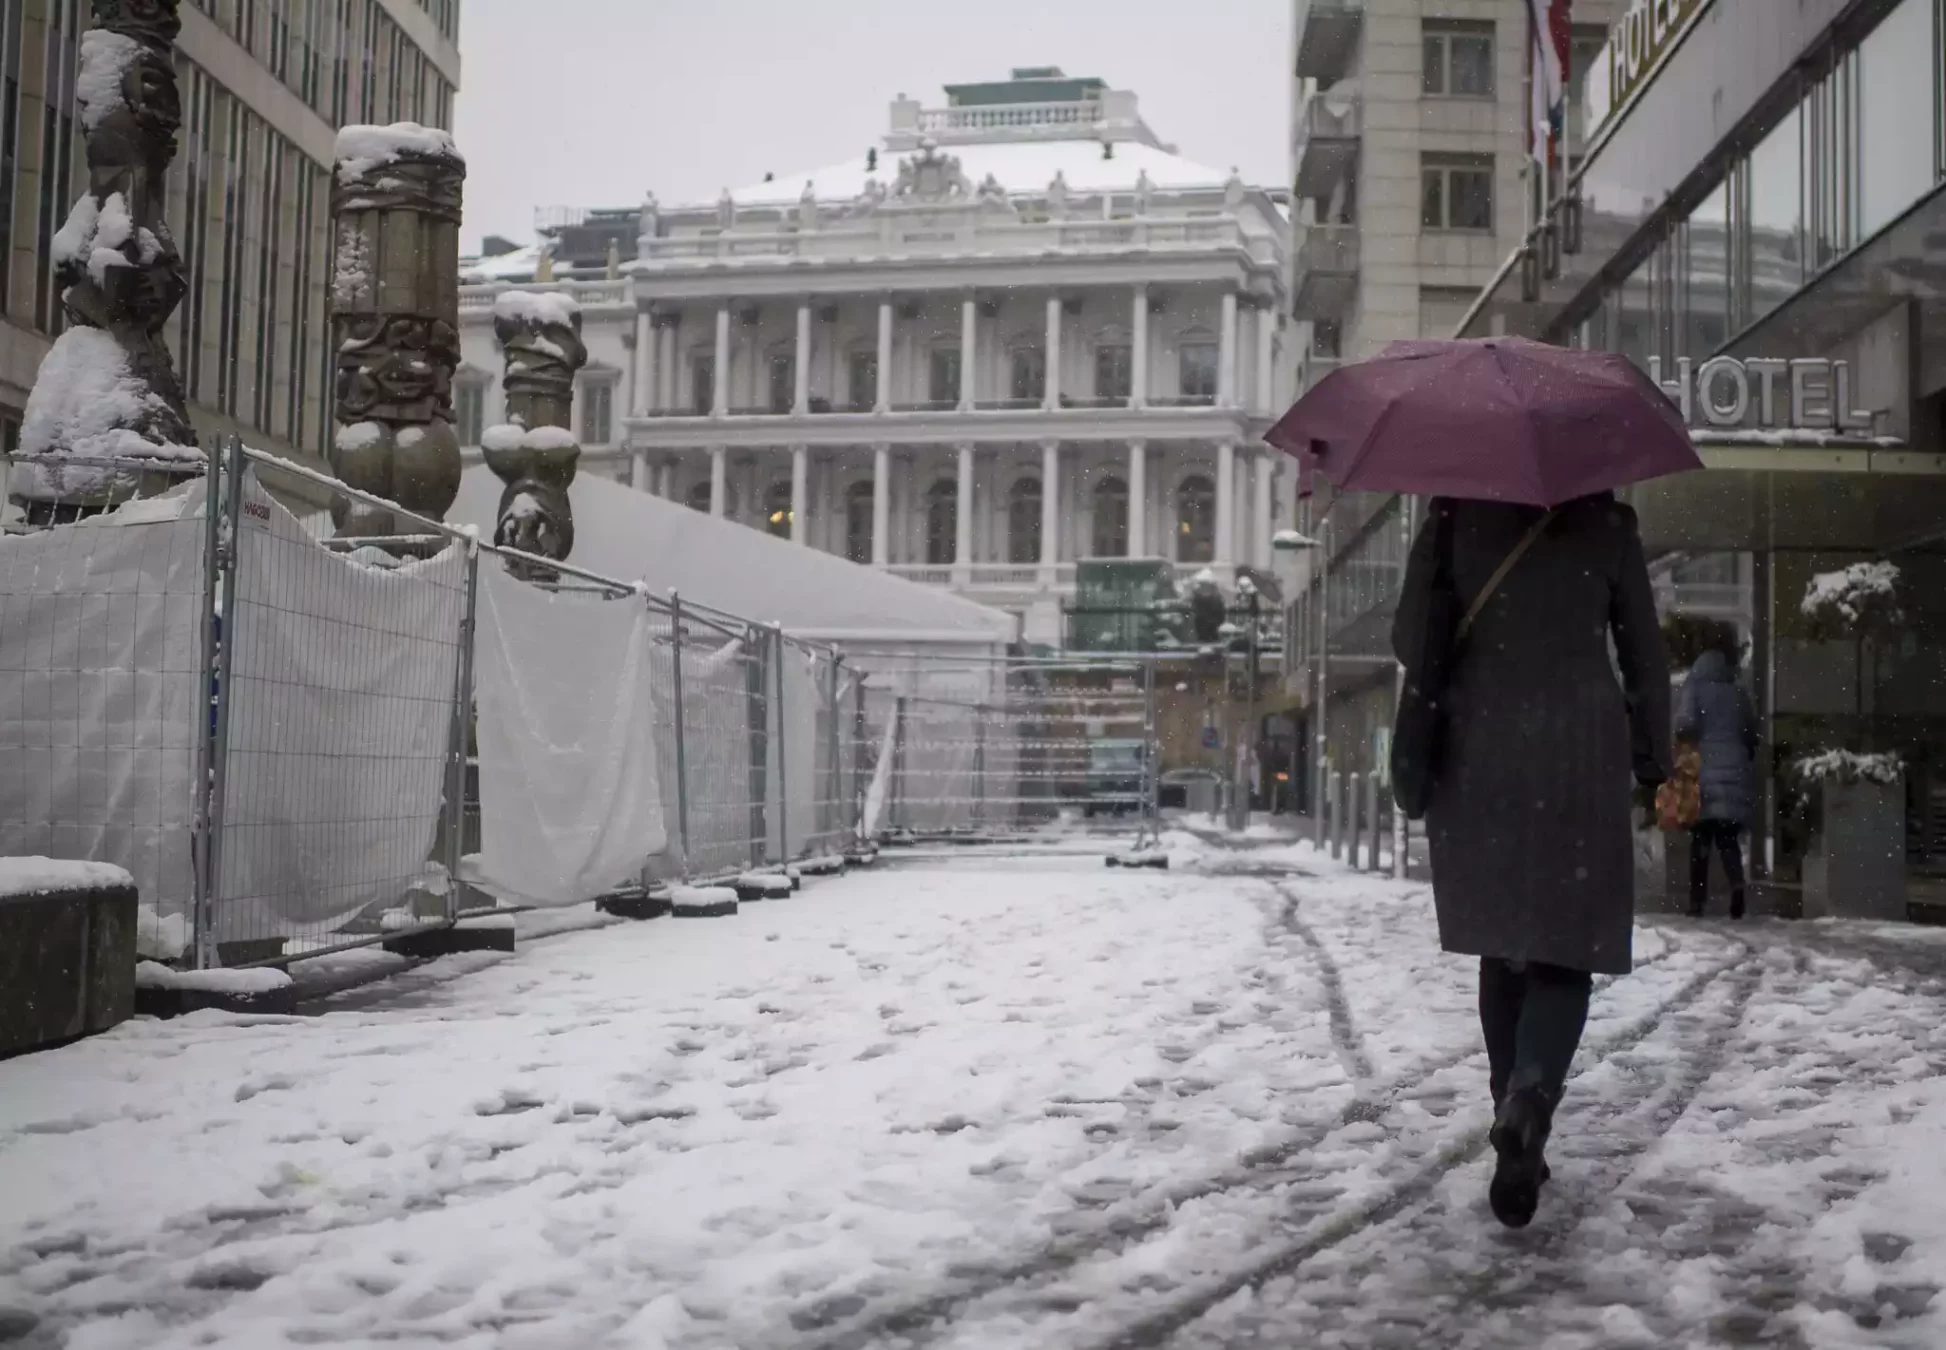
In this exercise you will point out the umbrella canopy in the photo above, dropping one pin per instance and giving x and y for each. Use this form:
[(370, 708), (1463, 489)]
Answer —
[(1499, 419)]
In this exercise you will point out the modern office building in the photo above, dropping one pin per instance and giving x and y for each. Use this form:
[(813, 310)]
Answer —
[(1758, 215), (1019, 333), (264, 85), (1412, 181)]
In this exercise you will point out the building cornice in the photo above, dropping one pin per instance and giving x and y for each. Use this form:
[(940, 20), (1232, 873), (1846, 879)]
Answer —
[(982, 426)]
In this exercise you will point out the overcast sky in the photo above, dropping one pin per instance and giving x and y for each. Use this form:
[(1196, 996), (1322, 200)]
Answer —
[(594, 102)]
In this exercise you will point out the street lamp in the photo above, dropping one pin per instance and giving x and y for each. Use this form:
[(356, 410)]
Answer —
[(1295, 541)]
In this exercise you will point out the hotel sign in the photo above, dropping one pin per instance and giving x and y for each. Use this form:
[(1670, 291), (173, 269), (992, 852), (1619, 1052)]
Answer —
[(1725, 394), (1636, 42)]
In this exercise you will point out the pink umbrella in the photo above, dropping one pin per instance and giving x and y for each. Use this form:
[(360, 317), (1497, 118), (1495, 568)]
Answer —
[(1498, 419)]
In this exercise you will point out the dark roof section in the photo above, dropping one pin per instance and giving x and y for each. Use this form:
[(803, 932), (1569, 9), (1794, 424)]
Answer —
[(1027, 84)]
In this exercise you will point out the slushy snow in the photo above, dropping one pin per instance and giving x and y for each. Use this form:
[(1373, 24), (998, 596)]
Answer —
[(1007, 1100)]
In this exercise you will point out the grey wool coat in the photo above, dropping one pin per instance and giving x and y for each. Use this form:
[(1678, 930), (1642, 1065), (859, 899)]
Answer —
[(1532, 853), (1718, 716)]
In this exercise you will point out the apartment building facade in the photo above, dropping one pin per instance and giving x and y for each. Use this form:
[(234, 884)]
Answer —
[(1412, 182), (264, 85)]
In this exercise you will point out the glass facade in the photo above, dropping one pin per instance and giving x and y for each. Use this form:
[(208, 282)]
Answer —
[(347, 59)]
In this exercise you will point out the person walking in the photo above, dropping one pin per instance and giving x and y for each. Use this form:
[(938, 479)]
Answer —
[(1515, 739), (1716, 716), (1529, 814)]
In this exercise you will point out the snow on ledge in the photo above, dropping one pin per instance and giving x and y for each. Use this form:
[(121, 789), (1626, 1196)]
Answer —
[(40, 876), (1848, 766), (362, 148), (539, 307), (1850, 591), (84, 403), (509, 436), (256, 980)]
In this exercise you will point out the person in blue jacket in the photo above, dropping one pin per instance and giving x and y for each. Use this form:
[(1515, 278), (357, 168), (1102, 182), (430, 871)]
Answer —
[(1716, 715)]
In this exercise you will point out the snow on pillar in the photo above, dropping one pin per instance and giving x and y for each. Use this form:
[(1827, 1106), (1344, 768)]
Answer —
[(882, 397), (881, 493), (1051, 397), (800, 492), (1138, 499), (1226, 483), (1226, 368), (1050, 508), (969, 339), (801, 365), (720, 375), (1139, 350), (719, 482), (963, 511), (130, 115), (395, 204), (535, 453)]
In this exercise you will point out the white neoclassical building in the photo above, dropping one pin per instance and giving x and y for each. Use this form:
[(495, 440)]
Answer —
[(1023, 333)]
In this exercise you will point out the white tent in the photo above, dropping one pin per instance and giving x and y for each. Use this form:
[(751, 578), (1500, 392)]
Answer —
[(631, 535)]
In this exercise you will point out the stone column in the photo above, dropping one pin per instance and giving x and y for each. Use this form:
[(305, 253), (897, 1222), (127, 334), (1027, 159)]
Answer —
[(395, 328), (1138, 499), (719, 480), (881, 483), (882, 396), (1260, 502), (830, 530), (640, 476), (644, 368), (121, 277), (1226, 367), (800, 493), (801, 363), (720, 376), (1050, 510), (969, 347), (669, 395), (1267, 361), (1139, 351), (1051, 397), (963, 515), (1226, 487), (535, 453)]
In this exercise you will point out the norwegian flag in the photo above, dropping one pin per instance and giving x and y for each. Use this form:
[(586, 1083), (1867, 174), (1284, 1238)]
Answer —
[(1548, 75)]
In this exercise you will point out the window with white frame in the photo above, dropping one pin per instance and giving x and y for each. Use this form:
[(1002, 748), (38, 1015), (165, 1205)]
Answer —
[(1197, 363), (1456, 192), (1457, 58), (598, 410)]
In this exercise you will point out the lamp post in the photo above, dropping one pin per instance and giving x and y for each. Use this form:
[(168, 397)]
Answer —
[(1292, 541)]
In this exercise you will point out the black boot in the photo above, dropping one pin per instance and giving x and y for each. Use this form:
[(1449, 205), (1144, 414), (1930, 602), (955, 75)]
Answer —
[(1736, 903), (1519, 1137)]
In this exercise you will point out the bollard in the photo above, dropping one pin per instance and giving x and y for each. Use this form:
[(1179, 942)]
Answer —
[(1337, 815), (1321, 805), (1354, 818), (1378, 835)]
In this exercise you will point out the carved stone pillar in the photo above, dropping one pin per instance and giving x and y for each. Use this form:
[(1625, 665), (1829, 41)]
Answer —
[(535, 453), (107, 403), (395, 204)]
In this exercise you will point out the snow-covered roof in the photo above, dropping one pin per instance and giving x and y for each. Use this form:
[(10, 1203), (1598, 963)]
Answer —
[(630, 535), (518, 265), (1027, 166)]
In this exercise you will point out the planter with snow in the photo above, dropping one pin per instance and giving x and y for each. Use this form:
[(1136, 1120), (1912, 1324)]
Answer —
[(1855, 867), (702, 902), (67, 950)]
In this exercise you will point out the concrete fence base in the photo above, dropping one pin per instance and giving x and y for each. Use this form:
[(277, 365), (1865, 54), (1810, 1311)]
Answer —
[(67, 955)]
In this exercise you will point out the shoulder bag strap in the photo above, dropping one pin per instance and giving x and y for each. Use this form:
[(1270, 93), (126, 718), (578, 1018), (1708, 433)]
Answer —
[(1507, 565)]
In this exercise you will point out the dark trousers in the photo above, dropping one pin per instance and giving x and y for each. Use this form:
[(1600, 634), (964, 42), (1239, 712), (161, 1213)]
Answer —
[(1533, 1015), (1726, 837)]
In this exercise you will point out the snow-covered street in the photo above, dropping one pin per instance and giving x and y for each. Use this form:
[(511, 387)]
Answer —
[(989, 1102)]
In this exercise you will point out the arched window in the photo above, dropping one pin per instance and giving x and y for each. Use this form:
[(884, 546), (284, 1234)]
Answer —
[(1024, 521), (858, 522), (777, 509), (1110, 539), (1196, 520), (942, 523)]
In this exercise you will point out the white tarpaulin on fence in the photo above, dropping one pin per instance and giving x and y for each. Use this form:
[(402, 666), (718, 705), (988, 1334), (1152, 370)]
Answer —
[(100, 681), (340, 680), (570, 796), (794, 736)]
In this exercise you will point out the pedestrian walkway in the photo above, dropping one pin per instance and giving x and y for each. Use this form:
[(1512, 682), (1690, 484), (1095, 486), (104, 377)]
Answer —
[(1022, 1103)]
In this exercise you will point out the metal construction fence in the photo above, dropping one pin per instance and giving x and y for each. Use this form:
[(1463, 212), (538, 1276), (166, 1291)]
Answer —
[(280, 735)]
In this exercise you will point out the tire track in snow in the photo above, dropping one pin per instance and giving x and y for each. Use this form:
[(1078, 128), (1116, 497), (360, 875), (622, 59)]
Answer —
[(1417, 1197), (855, 1321)]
